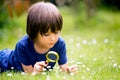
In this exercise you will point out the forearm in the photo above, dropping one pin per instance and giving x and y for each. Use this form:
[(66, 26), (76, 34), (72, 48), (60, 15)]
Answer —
[(28, 69), (36, 69)]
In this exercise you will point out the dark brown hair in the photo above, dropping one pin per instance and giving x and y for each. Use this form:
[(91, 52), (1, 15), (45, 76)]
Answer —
[(43, 16)]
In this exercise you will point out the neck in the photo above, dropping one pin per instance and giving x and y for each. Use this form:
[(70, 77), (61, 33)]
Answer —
[(39, 49)]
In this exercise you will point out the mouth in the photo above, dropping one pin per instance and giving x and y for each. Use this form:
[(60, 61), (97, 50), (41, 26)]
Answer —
[(51, 44)]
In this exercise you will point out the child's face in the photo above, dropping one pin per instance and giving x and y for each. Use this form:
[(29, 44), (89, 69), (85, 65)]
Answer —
[(48, 39)]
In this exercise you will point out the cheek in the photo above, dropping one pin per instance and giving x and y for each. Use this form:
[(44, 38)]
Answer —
[(57, 38), (46, 39)]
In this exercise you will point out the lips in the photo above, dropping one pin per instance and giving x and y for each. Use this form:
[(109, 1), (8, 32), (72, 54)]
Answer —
[(51, 43)]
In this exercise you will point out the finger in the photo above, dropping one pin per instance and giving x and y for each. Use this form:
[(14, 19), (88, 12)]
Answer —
[(38, 68), (72, 68), (42, 63)]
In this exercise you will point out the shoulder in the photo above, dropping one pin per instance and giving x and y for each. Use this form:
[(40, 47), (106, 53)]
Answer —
[(60, 41), (60, 44), (24, 41)]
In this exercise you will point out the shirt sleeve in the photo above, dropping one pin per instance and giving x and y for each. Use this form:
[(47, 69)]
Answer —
[(21, 54), (62, 53)]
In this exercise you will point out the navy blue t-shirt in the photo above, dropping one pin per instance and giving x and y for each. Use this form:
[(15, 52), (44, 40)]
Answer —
[(25, 53)]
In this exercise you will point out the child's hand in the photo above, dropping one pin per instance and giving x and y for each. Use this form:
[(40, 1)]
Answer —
[(39, 66), (72, 68), (67, 68)]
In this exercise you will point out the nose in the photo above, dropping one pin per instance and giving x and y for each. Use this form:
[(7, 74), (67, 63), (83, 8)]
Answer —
[(52, 37)]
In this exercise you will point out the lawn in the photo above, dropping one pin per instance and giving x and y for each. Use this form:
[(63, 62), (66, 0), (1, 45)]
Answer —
[(92, 45)]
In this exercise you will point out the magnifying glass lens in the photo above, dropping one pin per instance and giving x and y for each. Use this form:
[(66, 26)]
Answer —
[(52, 56)]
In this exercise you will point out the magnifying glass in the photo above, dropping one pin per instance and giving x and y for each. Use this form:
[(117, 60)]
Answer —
[(52, 56)]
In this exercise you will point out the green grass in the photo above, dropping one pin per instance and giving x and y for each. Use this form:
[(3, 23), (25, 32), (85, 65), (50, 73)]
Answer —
[(92, 45)]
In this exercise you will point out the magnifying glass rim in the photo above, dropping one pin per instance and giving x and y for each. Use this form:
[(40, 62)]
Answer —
[(52, 52)]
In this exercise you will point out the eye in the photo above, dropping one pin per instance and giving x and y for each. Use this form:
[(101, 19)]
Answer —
[(57, 32), (46, 34)]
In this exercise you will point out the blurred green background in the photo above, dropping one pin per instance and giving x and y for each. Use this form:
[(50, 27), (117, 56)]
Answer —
[(82, 16), (91, 30)]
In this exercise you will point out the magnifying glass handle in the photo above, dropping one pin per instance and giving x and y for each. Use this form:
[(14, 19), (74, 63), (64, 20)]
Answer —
[(46, 62)]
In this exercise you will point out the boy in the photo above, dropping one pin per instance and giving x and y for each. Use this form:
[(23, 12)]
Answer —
[(44, 24)]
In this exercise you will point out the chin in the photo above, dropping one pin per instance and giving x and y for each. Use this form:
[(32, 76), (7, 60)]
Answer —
[(51, 46)]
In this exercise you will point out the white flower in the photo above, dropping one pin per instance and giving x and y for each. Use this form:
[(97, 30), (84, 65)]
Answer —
[(64, 77), (115, 64), (10, 74), (84, 41), (23, 73), (118, 66), (94, 41), (88, 69), (48, 66), (71, 73), (83, 77), (81, 56), (110, 57), (12, 68), (43, 73), (106, 40), (44, 69), (94, 59), (60, 70), (78, 45), (50, 69), (78, 63)]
